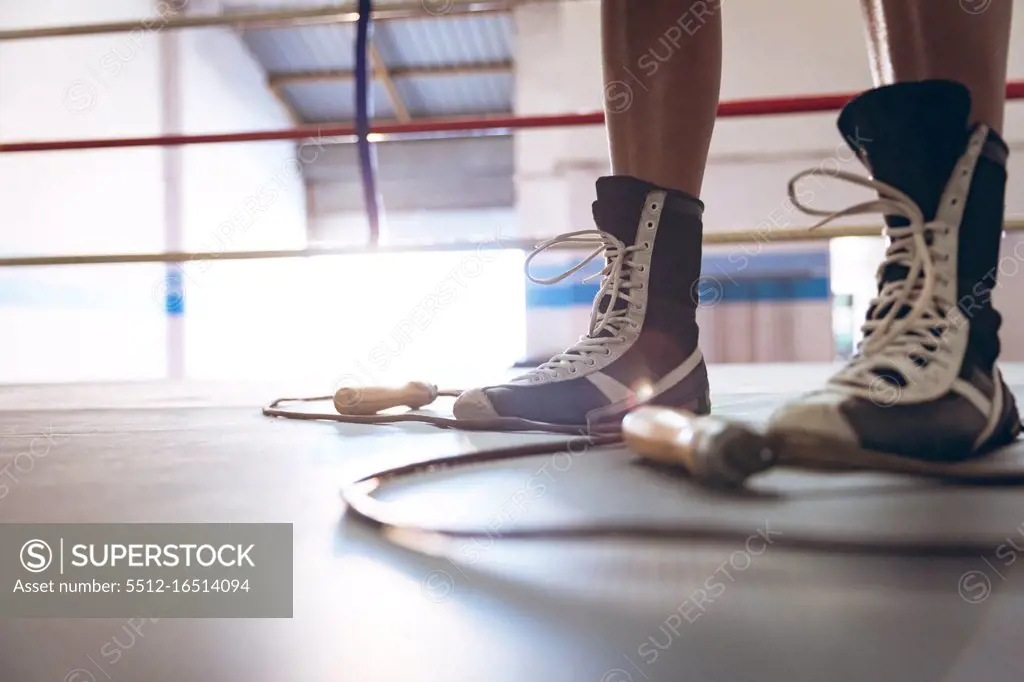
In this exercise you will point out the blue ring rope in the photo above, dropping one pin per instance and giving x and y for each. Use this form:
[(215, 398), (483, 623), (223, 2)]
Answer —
[(367, 154)]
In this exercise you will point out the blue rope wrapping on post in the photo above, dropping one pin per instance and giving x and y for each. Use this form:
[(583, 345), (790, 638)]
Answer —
[(367, 154)]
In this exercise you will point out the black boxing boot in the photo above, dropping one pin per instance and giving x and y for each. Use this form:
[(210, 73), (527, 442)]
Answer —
[(923, 383), (642, 341)]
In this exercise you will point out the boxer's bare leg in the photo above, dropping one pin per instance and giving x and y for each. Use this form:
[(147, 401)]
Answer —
[(662, 71), (966, 41)]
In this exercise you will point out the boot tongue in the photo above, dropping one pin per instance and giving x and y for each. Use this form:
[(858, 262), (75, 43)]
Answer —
[(620, 202), (910, 136)]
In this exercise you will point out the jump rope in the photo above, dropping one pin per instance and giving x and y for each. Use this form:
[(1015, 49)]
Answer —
[(715, 452)]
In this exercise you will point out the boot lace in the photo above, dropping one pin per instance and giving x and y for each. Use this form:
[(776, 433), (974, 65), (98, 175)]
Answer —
[(607, 326), (907, 318)]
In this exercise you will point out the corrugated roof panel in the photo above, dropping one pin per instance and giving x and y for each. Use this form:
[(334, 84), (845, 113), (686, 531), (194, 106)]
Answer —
[(310, 48), (425, 194), (452, 40), (333, 101), (457, 94), (483, 157)]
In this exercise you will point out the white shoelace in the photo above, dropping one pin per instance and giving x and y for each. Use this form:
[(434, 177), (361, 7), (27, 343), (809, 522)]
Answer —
[(891, 341), (605, 327)]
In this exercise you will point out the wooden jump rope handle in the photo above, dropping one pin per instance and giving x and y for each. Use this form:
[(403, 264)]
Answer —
[(369, 400), (713, 450)]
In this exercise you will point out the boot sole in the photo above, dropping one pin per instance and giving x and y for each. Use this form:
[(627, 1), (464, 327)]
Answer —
[(806, 451)]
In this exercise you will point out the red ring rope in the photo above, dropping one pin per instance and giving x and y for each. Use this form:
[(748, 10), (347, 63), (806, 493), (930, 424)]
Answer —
[(746, 107)]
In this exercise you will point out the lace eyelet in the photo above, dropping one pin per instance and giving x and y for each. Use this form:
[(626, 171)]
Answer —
[(641, 268), (607, 352), (654, 207), (647, 246), (573, 370), (650, 225), (591, 362), (637, 306)]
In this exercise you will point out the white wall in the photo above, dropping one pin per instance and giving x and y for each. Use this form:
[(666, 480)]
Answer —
[(108, 322), (246, 195), (237, 197)]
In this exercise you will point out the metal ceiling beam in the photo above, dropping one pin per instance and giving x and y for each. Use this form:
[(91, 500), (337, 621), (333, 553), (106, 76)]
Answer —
[(482, 68), (330, 14), (282, 99), (381, 73)]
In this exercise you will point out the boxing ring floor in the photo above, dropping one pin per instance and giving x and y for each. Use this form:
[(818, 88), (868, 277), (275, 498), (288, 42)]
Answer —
[(586, 611)]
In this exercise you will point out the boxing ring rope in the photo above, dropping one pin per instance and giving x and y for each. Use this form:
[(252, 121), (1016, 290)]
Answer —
[(771, 106), (307, 16), (525, 244), (738, 108)]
